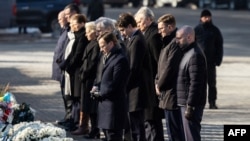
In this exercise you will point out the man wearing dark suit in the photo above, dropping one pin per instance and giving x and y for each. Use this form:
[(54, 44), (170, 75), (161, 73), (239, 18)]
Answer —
[(112, 106), (153, 114), (139, 84)]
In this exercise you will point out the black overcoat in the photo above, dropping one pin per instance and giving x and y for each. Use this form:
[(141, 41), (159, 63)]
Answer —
[(154, 45), (75, 61), (88, 74), (140, 83)]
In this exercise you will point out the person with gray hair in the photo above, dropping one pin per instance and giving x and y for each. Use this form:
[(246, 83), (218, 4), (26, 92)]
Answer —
[(88, 70), (191, 83), (104, 24), (145, 20)]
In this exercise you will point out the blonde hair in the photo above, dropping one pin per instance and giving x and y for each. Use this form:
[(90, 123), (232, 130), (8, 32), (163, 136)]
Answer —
[(90, 26), (167, 19)]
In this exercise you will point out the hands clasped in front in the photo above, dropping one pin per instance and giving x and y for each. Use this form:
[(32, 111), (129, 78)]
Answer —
[(95, 94)]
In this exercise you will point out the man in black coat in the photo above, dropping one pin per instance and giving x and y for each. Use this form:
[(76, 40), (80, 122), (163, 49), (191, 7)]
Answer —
[(210, 39), (112, 106), (191, 83), (140, 86), (153, 114)]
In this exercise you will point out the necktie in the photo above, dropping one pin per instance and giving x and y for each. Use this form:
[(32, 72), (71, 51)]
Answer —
[(105, 59)]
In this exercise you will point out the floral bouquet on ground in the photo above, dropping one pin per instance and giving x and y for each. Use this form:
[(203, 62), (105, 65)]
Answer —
[(12, 112), (37, 131), (17, 122), (7, 102)]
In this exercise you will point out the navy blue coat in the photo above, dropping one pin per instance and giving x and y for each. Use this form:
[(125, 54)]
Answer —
[(112, 111), (59, 55)]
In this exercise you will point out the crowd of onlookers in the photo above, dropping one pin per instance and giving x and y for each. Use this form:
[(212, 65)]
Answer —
[(123, 76)]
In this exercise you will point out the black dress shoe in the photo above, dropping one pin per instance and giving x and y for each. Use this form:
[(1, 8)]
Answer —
[(61, 122), (213, 106), (103, 139), (69, 125), (94, 134)]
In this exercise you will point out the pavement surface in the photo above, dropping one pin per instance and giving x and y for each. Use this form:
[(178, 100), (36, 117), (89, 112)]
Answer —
[(26, 60)]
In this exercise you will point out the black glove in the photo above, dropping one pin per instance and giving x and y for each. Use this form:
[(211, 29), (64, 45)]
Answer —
[(189, 112), (96, 96)]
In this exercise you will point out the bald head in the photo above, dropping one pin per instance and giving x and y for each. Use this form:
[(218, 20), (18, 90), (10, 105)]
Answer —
[(61, 14), (185, 36), (61, 19)]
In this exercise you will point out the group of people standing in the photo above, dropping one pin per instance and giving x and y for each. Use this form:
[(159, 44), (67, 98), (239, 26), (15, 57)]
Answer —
[(124, 76)]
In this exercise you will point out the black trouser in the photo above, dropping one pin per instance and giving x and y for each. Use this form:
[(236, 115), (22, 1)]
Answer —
[(67, 100), (93, 121), (68, 107), (211, 80), (154, 130), (136, 120), (154, 126), (113, 135)]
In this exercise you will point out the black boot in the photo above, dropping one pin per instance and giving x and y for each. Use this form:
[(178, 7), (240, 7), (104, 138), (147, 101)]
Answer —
[(94, 134), (212, 105), (70, 125), (68, 111)]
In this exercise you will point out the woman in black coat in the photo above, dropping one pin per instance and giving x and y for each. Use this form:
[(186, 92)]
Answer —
[(88, 74)]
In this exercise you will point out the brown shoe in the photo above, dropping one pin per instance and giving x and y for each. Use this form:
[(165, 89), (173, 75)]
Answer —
[(80, 131)]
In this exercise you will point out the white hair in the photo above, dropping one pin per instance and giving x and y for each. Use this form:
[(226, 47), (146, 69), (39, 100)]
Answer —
[(145, 12)]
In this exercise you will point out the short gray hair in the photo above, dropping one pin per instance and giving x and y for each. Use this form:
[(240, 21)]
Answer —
[(105, 22), (145, 12)]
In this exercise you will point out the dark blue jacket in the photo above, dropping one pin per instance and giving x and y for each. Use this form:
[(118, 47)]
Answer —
[(59, 55), (112, 111)]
